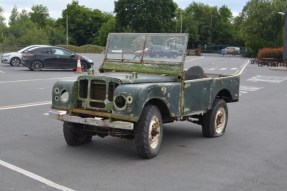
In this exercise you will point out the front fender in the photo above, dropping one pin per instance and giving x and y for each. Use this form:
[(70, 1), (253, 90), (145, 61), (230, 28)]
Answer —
[(138, 95), (68, 101)]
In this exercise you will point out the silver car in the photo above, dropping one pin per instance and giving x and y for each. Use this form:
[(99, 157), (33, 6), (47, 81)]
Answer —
[(14, 58)]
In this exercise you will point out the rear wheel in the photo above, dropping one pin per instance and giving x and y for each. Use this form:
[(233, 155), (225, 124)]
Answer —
[(148, 132), (15, 61), (36, 65), (74, 136), (215, 120)]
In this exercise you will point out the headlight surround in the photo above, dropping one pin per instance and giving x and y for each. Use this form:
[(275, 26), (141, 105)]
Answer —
[(64, 96), (120, 102)]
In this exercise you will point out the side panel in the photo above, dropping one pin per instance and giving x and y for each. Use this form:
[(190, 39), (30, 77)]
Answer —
[(229, 84), (197, 95)]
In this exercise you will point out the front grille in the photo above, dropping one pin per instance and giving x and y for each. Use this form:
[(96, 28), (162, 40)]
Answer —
[(97, 93), (98, 90), (83, 89)]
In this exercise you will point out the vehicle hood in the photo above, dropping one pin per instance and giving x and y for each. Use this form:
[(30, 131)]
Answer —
[(86, 59), (12, 53), (138, 78)]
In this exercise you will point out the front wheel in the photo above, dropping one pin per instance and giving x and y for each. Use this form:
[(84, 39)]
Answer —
[(84, 66), (215, 120), (74, 136), (148, 132), (15, 61)]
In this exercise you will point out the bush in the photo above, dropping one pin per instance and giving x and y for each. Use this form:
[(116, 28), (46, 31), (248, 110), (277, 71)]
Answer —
[(79, 49), (85, 48), (270, 53)]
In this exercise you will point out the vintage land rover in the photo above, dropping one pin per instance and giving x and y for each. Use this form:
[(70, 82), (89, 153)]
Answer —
[(133, 95)]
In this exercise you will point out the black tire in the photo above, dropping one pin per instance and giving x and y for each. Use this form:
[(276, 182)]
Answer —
[(148, 132), (215, 120), (37, 65), (74, 136), (84, 66), (15, 61)]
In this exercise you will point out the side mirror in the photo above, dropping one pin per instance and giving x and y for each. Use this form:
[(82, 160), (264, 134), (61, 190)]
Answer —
[(73, 55)]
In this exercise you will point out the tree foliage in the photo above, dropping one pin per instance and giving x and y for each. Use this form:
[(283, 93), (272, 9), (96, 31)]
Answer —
[(83, 23), (261, 25), (39, 15), (145, 15)]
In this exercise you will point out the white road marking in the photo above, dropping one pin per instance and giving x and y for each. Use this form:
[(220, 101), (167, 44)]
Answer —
[(246, 89), (2, 72), (270, 79), (222, 69), (194, 59), (34, 176), (250, 88), (33, 80), (25, 105)]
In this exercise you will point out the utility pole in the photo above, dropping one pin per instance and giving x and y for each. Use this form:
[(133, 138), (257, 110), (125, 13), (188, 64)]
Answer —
[(285, 37), (67, 29)]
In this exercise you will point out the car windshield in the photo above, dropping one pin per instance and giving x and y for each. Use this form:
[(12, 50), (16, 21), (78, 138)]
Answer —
[(146, 48), (23, 50)]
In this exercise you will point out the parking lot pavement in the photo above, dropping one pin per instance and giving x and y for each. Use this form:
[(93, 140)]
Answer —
[(250, 156)]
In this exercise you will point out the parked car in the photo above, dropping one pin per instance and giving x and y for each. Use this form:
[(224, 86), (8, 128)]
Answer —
[(14, 58), (52, 57), (230, 50), (161, 51)]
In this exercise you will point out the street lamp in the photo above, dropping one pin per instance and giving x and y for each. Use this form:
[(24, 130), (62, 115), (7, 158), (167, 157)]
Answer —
[(67, 29)]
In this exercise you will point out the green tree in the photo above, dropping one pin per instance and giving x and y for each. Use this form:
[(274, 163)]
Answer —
[(2, 26), (13, 16), (145, 15), (84, 23), (39, 15), (2, 18), (106, 28), (223, 28), (261, 25)]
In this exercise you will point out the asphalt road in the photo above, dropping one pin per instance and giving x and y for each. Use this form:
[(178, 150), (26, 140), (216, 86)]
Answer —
[(252, 155)]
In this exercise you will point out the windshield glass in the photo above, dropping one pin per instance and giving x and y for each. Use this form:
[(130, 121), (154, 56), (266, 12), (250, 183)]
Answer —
[(141, 48), (23, 50)]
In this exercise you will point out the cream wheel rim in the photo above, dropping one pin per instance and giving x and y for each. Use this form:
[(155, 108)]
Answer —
[(154, 132), (220, 120)]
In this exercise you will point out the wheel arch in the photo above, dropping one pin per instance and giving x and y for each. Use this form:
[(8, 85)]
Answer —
[(225, 95), (38, 60), (11, 59), (163, 108)]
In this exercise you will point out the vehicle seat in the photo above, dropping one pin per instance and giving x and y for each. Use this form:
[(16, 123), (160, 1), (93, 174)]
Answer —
[(194, 72)]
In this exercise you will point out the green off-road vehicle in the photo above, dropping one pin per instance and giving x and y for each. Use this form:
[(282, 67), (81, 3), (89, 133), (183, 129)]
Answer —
[(136, 92)]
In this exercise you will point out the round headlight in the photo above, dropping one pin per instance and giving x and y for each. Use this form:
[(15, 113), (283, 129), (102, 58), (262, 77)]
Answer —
[(120, 101), (64, 97)]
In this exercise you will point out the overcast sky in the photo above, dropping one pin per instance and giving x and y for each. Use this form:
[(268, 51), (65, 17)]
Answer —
[(56, 7)]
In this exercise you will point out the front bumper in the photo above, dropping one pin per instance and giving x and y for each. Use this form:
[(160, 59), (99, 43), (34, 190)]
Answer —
[(98, 122), (4, 60)]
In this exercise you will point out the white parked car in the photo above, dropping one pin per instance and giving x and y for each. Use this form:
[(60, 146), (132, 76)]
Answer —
[(14, 58), (231, 50)]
